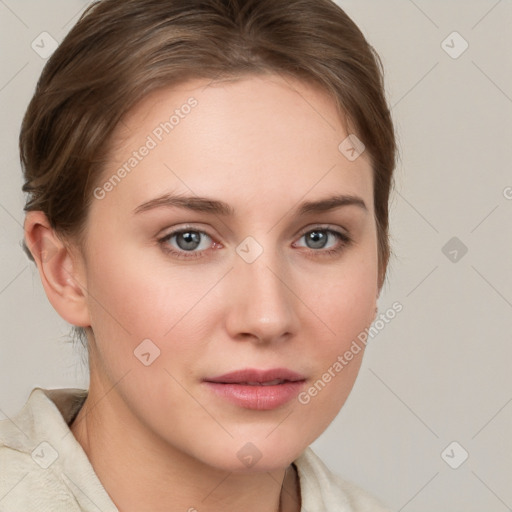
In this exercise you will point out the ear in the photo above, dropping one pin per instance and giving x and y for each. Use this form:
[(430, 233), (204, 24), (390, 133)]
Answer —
[(61, 269), (375, 312)]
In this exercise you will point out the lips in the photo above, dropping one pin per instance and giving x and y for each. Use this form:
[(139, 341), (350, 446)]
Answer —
[(260, 390), (254, 377), (274, 382)]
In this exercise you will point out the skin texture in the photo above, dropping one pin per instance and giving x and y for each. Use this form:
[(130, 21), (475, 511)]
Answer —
[(156, 436)]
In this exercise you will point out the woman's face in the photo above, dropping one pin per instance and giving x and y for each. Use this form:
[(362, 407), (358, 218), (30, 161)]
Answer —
[(249, 273)]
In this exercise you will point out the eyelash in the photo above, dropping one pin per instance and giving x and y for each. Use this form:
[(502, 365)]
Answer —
[(344, 241)]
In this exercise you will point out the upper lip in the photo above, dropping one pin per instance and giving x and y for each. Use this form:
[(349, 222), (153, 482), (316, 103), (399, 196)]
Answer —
[(255, 375)]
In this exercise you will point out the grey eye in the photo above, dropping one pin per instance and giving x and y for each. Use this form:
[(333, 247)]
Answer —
[(316, 239), (188, 240)]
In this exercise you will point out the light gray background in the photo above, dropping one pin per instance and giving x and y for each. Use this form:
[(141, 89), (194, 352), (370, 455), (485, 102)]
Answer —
[(441, 370)]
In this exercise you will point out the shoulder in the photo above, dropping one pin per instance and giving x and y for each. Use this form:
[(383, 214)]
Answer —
[(322, 490), (24, 485), (30, 478)]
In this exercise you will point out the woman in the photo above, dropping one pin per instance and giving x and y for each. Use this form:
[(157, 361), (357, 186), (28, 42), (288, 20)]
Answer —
[(208, 188)]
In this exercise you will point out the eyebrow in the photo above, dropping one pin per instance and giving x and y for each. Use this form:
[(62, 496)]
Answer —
[(213, 206)]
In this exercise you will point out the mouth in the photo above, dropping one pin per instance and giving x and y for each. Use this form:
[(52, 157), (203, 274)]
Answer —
[(274, 382), (257, 389), (255, 377)]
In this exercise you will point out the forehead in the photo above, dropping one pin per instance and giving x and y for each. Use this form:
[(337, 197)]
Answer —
[(259, 135)]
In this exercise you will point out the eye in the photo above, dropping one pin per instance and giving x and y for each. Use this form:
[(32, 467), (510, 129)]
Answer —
[(325, 241), (186, 243)]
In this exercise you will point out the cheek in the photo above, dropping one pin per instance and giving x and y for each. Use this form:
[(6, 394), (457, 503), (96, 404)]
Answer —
[(126, 290), (344, 298), (344, 304), (132, 299), (336, 357)]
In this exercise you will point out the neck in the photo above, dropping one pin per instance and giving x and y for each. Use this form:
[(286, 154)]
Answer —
[(126, 457)]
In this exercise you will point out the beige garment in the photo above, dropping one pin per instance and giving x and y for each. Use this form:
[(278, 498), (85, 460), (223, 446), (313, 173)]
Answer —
[(43, 468)]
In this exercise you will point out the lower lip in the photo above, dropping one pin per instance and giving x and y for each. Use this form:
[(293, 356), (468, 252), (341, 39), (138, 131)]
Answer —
[(261, 398)]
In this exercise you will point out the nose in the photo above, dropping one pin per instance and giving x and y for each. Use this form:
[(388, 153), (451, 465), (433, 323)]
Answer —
[(262, 306)]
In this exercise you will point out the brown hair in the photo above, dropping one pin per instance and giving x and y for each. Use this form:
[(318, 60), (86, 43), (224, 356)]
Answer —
[(120, 50)]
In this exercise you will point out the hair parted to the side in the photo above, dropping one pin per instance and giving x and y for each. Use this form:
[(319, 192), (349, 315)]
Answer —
[(121, 50)]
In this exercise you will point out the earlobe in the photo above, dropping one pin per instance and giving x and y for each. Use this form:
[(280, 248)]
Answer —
[(374, 316), (60, 269)]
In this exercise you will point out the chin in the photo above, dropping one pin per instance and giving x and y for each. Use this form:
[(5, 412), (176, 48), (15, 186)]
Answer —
[(251, 454)]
